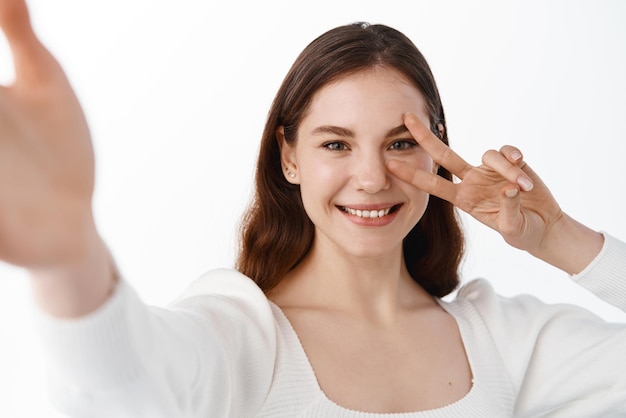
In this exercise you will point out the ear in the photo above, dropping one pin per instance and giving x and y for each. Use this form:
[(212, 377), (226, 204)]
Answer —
[(287, 157), (440, 131)]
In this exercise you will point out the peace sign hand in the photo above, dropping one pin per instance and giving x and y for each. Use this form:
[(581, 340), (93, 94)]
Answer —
[(503, 193), (46, 157)]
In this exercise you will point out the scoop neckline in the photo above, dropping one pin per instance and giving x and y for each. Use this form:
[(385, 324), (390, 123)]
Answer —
[(468, 398)]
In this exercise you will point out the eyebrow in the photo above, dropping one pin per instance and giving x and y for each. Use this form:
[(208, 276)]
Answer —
[(347, 133)]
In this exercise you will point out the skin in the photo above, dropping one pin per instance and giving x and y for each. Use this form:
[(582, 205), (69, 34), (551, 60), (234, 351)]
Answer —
[(46, 156), (339, 161), (352, 292), (361, 293)]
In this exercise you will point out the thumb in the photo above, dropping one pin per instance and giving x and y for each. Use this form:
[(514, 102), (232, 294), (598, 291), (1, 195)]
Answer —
[(15, 21), (33, 63)]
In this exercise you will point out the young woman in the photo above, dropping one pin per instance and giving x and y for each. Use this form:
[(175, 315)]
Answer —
[(347, 249)]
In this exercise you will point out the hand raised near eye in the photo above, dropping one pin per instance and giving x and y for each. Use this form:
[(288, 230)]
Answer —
[(46, 157), (503, 193)]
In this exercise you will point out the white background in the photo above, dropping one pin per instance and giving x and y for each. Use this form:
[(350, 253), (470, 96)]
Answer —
[(176, 94)]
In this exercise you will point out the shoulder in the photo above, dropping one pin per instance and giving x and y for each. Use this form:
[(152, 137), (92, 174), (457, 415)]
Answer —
[(521, 325), (481, 294), (527, 331), (236, 314), (226, 283), (524, 312), (228, 300)]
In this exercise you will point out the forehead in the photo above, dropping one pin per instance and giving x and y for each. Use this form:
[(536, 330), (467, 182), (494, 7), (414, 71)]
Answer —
[(377, 95)]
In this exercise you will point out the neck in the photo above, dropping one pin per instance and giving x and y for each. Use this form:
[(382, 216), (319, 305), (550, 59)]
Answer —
[(370, 287)]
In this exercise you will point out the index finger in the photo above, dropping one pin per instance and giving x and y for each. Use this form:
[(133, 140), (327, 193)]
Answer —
[(440, 152)]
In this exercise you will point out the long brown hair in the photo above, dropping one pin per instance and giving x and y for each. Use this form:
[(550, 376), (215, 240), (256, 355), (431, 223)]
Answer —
[(276, 233)]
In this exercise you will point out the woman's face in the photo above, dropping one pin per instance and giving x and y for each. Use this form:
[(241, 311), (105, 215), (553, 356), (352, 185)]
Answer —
[(351, 129)]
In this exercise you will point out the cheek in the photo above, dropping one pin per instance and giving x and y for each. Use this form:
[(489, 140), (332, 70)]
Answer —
[(320, 181), (420, 161), (318, 175), (427, 164), (418, 203)]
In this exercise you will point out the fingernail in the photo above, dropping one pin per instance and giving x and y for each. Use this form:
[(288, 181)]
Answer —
[(511, 192), (516, 155), (525, 184)]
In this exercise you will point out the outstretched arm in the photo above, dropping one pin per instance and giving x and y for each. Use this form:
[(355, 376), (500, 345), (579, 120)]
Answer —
[(505, 194), (47, 178)]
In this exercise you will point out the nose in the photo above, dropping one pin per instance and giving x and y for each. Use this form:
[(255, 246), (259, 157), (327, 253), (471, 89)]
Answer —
[(370, 173)]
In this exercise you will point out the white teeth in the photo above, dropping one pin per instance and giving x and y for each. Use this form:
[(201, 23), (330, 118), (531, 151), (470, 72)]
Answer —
[(367, 213)]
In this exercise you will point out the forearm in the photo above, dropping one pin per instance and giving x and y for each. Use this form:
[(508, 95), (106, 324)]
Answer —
[(75, 289), (569, 245)]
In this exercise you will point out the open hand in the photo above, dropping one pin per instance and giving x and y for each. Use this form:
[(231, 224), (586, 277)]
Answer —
[(46, 156)]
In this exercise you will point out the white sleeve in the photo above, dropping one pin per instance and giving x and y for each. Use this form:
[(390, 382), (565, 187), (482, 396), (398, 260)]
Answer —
[(563, 360), (605, 276), (211, 353)]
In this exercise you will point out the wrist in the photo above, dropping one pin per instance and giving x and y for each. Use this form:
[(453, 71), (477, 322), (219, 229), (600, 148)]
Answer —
[(78, 286), (569, 245)]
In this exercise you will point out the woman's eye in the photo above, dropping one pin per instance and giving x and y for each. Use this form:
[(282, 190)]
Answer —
[(402, 145), (335, 146)]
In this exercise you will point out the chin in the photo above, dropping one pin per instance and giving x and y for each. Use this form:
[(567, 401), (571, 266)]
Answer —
[(371, 249)]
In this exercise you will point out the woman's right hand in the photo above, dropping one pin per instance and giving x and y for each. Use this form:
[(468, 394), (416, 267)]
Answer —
[(46, 156), (47, 179)]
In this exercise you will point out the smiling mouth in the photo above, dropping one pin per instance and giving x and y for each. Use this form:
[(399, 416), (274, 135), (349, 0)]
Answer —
[(370, 213)]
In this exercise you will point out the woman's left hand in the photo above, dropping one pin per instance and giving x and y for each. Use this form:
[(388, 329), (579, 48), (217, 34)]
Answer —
[(503, 193)]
